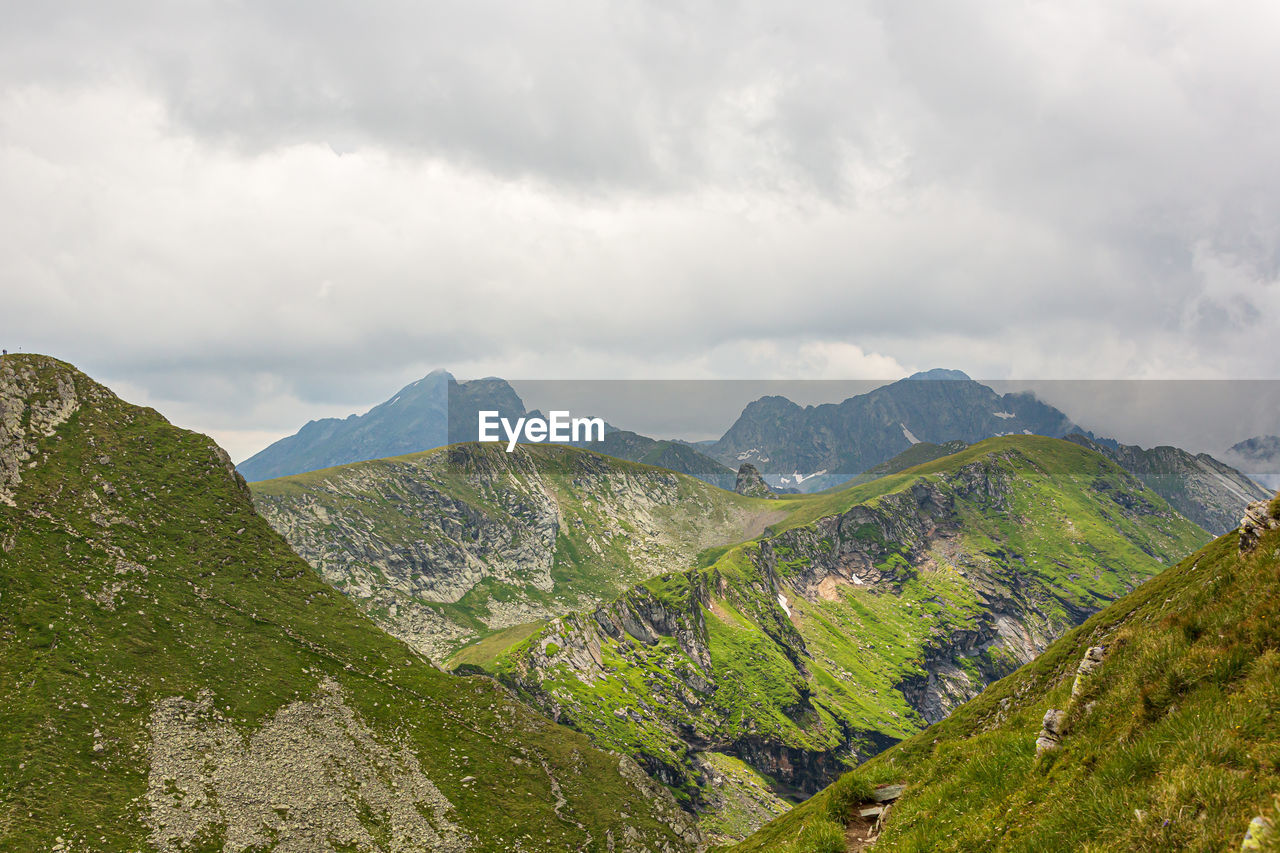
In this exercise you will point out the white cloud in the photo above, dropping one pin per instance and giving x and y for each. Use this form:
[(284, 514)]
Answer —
[(258, 215)]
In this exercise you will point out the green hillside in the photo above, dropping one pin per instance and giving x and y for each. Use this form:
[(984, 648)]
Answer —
[(856, 621), (175, 678), (1171, 743), (469, 545)]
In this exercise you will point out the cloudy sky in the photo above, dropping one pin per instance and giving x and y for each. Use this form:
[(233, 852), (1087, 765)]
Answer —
[(253, 214)]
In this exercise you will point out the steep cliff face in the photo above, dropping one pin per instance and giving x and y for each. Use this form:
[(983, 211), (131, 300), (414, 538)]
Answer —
[(821, 644), (448, 546), (175, 678)]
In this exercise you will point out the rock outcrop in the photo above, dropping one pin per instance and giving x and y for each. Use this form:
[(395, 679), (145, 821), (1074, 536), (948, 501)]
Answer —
[(35, 399), (1088, 666), (1259, 517), (1051, 731), (751, 483)]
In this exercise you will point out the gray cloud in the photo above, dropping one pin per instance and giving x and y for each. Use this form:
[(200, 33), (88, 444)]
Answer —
[(255, 214)]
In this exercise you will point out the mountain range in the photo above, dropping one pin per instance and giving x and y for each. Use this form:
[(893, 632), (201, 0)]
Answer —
[(1207, 491), (462, 543), (853, 623), (641, 659), (794, 448), (853, 620)]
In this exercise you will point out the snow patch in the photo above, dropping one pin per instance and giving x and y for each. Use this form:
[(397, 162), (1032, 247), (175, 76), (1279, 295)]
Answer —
[(856, 579), (800, 478), (1005, 415), (782, 602), (393, 400), (906, 433), (1026, 432)]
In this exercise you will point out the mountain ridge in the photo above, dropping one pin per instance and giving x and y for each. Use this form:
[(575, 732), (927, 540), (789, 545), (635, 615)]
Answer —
[(177, 678)]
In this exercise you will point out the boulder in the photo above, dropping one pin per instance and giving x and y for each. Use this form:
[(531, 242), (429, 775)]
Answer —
[(1051, 731)]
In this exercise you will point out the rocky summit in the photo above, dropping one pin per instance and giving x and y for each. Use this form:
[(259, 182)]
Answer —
[(175, 678)]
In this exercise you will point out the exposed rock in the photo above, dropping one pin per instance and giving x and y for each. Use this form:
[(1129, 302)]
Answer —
[(1088, 665), (317, 756), (30, 410), (1261, 834), (1258, 519), (751, 484), (1051, 731)]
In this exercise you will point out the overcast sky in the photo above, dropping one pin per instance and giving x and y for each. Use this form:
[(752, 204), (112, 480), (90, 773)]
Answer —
[(250, 215)]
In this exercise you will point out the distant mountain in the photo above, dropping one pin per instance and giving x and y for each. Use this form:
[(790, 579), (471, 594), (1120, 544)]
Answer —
[(1207, 491), (815, 447), (1259, 457), (438, 410), (422, 415)]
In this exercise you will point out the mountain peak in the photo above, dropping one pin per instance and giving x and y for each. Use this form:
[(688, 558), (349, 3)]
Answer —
[(941, 373)]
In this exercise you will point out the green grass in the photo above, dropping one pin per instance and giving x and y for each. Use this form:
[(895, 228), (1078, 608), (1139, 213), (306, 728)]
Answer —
[(1173, 744), (211, 598), (482, 652), (1031, 521)]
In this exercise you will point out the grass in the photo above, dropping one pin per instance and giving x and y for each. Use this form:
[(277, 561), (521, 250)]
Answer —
[(1172, 745), (482, 652), (1034, 523), (135, 569)]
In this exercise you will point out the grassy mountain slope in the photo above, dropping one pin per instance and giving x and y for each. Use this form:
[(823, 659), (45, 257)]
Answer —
[(1205, 490), (917, 454), (863, 616), (1171, 744), (454, 546), (672, 455), (174, 677)]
